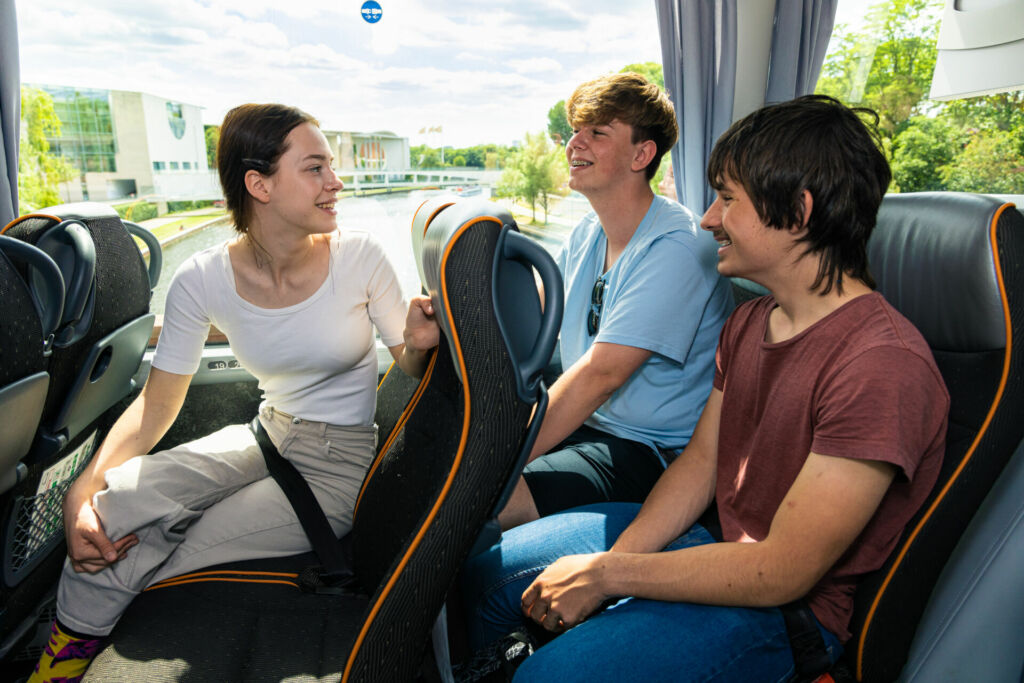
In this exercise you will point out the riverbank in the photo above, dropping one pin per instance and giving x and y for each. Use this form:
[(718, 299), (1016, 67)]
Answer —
[(170, 229)]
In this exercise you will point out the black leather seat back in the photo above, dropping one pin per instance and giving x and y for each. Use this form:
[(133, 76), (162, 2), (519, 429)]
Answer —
[(951, 264), (450, 456), (102, 332), (26, 341), (91, 369)]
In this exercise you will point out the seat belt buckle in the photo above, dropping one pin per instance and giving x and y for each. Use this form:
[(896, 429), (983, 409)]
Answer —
[(319, 581)]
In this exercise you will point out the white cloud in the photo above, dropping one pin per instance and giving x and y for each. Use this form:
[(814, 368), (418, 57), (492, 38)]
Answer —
[(486, 75), (535, 65)]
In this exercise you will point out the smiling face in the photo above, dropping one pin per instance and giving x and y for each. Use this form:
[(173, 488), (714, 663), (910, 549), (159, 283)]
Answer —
[(746, 246), (603, 156), (302, 192)]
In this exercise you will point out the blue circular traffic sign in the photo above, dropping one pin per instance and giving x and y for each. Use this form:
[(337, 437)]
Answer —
[(371, 11)]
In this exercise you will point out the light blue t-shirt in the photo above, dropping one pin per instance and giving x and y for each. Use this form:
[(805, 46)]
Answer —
[(663, 294)]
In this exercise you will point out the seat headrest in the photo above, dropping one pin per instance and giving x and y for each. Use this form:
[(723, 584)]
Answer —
[(495, 270), (932, 252), (83, 211), (426, 213), (446, 227)]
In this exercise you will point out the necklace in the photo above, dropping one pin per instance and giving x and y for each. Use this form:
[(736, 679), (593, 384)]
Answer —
[(259, 254)]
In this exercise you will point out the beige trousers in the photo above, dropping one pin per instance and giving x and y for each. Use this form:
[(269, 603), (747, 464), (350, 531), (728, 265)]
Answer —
[(212, 501)]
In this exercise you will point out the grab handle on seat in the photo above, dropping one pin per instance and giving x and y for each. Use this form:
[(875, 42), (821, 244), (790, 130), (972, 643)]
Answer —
[(156, 254), (70, 245), (47, 290), (516, 246)]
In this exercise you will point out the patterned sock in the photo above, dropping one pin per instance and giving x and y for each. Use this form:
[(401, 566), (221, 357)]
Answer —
[(65, 657)]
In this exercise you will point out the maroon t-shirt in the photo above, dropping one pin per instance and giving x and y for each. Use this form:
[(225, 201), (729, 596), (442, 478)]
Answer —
[(860, 383)]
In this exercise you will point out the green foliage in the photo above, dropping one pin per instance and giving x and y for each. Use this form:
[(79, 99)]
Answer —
[(991, 162), (423, 156), (921, 151), (652, 71), (488, 156), (970, 145), (558, 125), (40, 171), (659, 175), (887, 67), (137, 211), (473, 156), (212, 138), (535, 173), (188, 205)]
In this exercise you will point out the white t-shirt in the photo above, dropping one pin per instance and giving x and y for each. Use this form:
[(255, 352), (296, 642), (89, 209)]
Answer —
[(315, 360)]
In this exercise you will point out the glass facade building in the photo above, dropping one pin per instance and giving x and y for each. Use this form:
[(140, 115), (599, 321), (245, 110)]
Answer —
[(87, 138)]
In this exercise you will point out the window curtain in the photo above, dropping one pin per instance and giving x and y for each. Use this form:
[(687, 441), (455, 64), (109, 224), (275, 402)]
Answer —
[(698, 53), (799, 42), (698, 48), (10, 112)]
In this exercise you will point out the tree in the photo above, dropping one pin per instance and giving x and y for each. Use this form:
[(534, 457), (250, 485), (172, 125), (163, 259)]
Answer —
[(474, 156), (652, 71), (1003, 111), (535, 173), (212, 140), (991, 162), (887, 67), (423, 156), (974, 145), (921, 151), (558, 125), (40, 171)]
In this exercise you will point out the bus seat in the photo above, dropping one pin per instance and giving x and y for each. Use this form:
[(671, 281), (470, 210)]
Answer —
[(102, 331), (951, 263), (31, 314), (444, 462), (106, 323)]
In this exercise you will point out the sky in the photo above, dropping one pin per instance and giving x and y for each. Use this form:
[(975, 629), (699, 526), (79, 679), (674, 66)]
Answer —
[(482, 71)]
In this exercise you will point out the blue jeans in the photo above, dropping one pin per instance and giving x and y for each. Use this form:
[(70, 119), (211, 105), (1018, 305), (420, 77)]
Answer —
[(634, 639)]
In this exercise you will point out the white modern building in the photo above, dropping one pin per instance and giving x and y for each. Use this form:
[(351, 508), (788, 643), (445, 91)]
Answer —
[(130, 144), (381, 151), (127, 144)]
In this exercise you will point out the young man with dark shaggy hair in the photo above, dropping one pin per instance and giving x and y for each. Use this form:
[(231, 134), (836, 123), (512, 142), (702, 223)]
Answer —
[(822, 436)]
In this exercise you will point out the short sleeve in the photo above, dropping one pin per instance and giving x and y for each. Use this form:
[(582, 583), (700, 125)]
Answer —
[(186, 323), (387, 306), (659, 303), (561, 259), (721, 358), (848, 423)]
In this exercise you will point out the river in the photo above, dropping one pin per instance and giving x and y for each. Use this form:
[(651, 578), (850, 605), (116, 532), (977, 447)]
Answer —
[(388, 217)]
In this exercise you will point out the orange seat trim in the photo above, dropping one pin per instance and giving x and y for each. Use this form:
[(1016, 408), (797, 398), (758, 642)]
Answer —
[(455, 466), (26, 217)]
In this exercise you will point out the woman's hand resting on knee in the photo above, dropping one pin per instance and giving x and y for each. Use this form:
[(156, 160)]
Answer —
[(89, 549)]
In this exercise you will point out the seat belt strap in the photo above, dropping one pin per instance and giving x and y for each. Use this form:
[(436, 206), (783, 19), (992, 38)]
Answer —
[(311, 515), (810, 658)]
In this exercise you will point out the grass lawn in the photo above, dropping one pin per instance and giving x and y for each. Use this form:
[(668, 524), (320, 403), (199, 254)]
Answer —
[(177, 223)]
